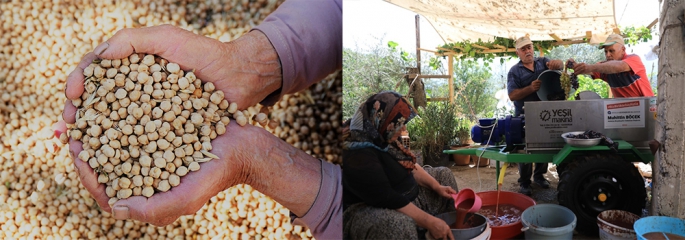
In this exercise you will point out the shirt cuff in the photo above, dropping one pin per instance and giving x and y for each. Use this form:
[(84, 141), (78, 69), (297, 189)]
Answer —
[(324, 218)]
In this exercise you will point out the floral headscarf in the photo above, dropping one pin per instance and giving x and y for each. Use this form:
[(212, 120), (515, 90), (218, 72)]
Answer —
[(376, 121)]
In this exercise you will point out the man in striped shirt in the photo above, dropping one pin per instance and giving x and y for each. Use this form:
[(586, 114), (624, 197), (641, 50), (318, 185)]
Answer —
[(625, 73)]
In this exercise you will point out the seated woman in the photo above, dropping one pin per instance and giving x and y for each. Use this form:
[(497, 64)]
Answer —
[(386, 195)]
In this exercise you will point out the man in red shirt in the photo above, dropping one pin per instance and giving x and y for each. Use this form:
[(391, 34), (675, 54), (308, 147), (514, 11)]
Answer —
[(625, 73)]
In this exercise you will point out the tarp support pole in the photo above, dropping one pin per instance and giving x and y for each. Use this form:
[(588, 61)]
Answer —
[(418, 45), (450, 67)]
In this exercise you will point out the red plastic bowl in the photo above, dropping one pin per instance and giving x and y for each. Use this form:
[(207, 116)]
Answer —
[(516, 199)]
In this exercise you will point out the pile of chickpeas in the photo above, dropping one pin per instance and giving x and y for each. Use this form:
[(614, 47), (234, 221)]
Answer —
[(40, 193)]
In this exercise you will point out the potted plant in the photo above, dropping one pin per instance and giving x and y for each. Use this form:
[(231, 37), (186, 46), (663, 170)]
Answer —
[(433, 131), (464, 132), (462, 140)]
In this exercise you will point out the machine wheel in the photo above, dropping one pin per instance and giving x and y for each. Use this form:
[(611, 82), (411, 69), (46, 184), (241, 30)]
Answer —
[(598, 182)]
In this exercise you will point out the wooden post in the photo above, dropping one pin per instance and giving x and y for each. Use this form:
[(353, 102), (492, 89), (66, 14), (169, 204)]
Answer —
[(418, 44), (450, 64), (418, 90)]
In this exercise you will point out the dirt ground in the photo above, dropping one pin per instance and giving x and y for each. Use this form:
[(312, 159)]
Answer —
[(484, 179)]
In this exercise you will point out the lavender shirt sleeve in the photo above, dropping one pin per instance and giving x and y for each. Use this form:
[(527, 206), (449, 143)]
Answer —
[(324, 218), (307, 35)]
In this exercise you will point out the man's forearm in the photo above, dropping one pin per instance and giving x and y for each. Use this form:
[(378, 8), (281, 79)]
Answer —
[(610, 67), (520, 93), (308, 38), (288, 175), (258, 61)]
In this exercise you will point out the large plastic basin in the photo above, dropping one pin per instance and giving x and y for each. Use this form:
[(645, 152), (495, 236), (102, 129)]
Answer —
[(518, 200), (659, 224)]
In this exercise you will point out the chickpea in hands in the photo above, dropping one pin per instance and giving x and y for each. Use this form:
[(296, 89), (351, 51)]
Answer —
[(112, 108)]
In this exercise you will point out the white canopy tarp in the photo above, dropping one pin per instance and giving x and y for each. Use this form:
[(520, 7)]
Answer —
[(459, 20)]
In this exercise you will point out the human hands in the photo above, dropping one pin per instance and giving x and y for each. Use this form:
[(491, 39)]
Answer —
[(570, 62), (241, 69), (211, 60), (581, 68), (438, 229), (445, 191), (536, 85), (555, 64), (196, 187), (247, 70)]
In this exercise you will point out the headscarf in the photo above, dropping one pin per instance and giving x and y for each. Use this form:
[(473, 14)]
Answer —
[(376, 121)]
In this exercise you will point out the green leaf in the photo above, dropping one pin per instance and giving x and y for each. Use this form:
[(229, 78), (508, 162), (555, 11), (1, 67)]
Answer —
[(434, 63), (392, 44)]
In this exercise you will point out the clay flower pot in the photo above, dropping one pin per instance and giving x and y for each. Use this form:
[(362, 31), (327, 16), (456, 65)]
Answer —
[(459, 159), (484, 162)]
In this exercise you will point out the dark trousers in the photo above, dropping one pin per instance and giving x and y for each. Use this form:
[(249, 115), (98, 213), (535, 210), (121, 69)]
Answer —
[(526, 169)]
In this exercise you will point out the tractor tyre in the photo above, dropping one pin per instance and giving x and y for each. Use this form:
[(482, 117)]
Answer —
[(562, 167), (597, 182)]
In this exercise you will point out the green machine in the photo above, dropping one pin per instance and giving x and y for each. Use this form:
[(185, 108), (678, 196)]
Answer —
[(593, 177)]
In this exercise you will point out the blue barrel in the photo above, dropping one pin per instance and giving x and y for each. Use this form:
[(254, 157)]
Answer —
[(659, 224), (548, 221)]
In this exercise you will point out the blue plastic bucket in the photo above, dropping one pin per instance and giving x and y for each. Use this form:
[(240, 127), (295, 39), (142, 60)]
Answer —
[(659, 224), (548, 221)]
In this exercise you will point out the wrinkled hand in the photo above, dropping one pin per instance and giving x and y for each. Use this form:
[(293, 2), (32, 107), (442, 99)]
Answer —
[(536, 85), (232, 71), (445, 191), (244, 69), (196, 188), (438, 229), (555, 64), (581, 68)]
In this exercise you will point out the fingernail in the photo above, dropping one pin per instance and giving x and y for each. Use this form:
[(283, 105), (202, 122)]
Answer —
[(58, 133), (101, 48), (120, 212)]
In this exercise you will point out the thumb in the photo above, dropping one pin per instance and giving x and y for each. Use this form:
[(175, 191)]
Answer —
[(135, 207), (158, 210)]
